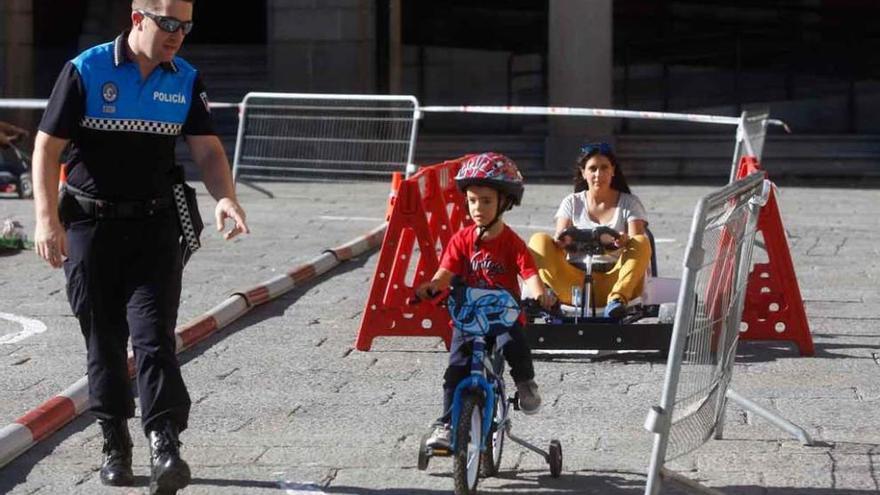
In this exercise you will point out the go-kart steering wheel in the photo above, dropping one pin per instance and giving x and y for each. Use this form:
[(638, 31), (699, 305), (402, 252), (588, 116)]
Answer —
[(590, 241)]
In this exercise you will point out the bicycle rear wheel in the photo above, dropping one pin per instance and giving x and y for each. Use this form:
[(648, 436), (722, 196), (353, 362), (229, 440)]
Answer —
[(466, 461)]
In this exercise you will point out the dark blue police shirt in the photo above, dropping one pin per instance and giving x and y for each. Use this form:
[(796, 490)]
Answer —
[(123, 129)]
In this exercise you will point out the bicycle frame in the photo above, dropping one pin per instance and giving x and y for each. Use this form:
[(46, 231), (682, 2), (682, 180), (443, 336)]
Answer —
[(486, 377)]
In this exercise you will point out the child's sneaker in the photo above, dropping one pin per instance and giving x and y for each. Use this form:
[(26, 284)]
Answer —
[(529, 398), (615, 309), (441, 437)]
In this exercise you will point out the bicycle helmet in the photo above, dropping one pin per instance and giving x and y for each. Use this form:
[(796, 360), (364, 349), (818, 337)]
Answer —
[(492, 170), (498, 172)]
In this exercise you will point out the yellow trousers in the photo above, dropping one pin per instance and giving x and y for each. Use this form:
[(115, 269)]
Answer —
[(624, 281)]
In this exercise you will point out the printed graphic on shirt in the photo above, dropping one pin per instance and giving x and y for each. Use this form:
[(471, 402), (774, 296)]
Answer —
[(482, 262)]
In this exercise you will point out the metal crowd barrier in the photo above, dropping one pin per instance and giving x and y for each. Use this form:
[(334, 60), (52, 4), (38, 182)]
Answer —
[(706, 329), (283, 136)]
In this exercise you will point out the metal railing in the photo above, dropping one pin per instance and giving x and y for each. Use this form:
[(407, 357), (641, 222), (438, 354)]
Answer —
[(283, 136)]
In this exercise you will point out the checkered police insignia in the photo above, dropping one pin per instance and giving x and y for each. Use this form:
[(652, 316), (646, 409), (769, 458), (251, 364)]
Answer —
[(109, 92), (189, 232), (129, 125)]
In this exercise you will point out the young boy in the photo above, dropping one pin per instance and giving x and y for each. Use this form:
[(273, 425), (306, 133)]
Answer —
[(488, 254)]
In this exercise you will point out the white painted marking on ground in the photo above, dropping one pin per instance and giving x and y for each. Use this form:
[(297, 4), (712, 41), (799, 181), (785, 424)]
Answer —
[(352, 219), (657, 240), (30, 327)]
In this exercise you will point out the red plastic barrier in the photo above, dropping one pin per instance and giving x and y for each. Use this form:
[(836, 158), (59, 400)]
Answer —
[(427, 208), (396, 179), (774, 308)]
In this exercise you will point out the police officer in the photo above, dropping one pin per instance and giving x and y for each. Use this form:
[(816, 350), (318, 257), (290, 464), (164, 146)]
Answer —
[(121, 106)]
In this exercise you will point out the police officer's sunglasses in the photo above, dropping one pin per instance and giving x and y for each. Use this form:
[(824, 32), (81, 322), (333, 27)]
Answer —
[(166, 23), (602, 148)]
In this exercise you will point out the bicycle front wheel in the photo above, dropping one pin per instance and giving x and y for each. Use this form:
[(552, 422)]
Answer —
[(490, 464), (466, 461)]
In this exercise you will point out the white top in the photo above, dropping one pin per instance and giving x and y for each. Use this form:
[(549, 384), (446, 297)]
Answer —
[(629, 208)]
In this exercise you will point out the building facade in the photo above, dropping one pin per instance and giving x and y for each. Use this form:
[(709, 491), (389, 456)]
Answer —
[(801, 59)]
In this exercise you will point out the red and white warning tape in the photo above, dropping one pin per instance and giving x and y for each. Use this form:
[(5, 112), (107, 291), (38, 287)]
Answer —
[(56, 412), (593, 112)]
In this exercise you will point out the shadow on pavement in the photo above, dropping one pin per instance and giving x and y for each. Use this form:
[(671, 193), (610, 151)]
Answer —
[(18, 470), (751, 351), (621, 357), (758, 351), (218, 482), (521, 482), (760, 490)]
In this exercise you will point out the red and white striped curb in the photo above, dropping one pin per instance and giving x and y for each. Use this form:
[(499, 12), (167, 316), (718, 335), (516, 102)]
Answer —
[(219, 316), (56, 412), (330, 258), (44, 420)]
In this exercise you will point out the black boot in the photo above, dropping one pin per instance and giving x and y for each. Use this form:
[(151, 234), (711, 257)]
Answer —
[(116, 468), (168, 472)]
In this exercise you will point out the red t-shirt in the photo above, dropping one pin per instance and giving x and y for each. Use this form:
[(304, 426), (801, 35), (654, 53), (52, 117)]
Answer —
[(495, 265)]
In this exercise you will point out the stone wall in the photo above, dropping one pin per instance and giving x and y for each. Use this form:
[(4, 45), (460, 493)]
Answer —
[(322, 46)]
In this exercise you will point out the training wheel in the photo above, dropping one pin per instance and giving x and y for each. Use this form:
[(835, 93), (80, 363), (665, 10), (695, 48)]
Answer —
[(555, 458), (423, 452)]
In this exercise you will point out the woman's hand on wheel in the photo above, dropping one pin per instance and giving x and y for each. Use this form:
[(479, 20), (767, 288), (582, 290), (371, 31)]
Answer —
[(563, 240), (547, 300)]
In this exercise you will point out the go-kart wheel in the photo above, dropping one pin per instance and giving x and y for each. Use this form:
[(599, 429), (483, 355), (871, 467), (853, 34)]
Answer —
[(423, 452), (555, 458), (25, 186)]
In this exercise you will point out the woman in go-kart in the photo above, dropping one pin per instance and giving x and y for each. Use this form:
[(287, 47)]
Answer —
[(601, 198)]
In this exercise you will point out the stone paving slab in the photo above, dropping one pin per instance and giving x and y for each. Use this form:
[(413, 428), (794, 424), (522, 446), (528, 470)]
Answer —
[(283, 404)]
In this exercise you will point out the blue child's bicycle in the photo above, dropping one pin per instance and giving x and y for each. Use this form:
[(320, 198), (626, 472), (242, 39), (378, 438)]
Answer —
[(480, 407)]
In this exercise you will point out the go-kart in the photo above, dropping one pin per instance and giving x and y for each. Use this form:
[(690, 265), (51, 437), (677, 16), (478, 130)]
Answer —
[(15, 172), (646, 324)]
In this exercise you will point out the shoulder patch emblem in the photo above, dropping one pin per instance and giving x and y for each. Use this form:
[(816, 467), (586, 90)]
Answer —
[(109, 92)]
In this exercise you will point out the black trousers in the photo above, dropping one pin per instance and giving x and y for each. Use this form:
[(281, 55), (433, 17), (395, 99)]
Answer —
[(516, 352), (123, 279)]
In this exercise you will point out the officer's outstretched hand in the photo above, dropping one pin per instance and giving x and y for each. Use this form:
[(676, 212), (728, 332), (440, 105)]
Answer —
[(229, 208), (50, 243)]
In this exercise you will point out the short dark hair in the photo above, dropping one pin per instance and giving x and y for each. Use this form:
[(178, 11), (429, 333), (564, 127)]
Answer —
[(617, 182), (150, 4)]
